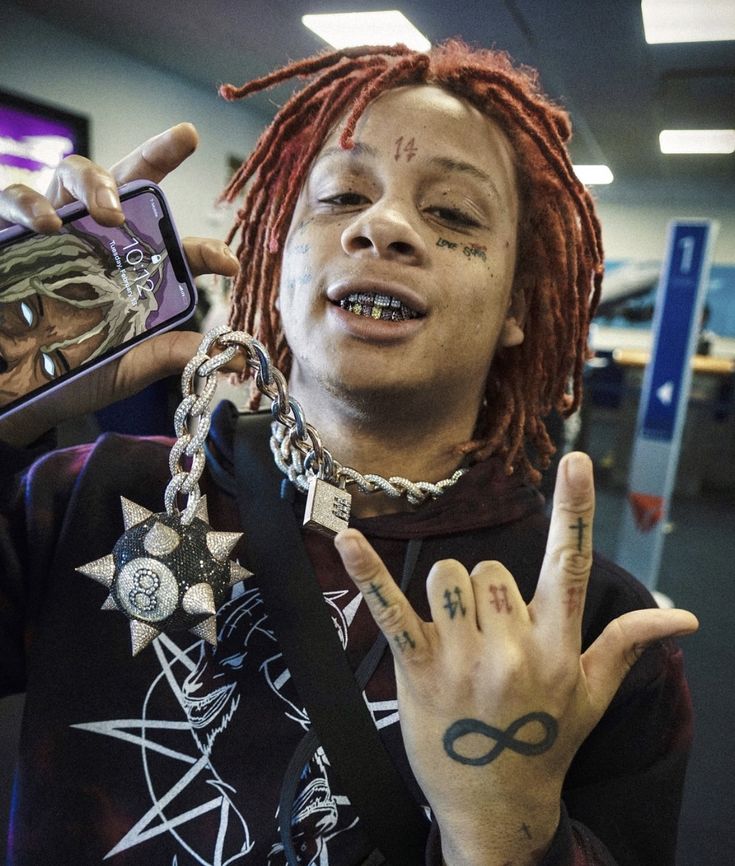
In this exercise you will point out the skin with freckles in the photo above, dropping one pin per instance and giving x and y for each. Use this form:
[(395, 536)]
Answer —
[(368, 222)]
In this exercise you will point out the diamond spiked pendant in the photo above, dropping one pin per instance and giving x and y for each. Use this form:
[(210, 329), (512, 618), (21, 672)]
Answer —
[(167, 576)]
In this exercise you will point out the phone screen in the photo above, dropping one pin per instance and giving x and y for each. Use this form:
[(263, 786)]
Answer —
[(72, 299)]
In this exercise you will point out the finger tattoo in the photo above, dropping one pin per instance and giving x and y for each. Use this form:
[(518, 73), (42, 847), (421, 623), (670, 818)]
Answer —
[(454, 605), (500, 598), (580, 527), (404, 641), (375, 590), (574, 599)]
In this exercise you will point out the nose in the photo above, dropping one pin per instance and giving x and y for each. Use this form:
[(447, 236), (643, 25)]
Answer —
[(384, 231)]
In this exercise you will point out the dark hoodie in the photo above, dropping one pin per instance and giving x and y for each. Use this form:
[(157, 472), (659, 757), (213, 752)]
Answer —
[(177, 756)]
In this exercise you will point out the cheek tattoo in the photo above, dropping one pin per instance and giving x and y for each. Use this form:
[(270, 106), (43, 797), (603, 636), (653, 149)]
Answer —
[(443, 242), (303, 224), (475, 250), (472, 251)]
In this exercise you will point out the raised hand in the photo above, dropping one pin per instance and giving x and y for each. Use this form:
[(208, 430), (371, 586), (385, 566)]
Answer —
[(495, 695), (79, 179)]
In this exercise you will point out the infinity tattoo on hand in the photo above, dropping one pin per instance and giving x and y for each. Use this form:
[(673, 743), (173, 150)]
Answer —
[(504, 739)]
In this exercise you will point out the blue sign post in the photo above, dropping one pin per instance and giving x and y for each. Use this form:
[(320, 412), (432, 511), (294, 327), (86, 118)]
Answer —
[(664, 396)]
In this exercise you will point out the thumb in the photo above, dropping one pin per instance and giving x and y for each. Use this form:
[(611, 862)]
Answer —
[(607, 662)]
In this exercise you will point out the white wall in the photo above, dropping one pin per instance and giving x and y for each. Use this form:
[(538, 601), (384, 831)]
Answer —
[(638, 231), (127, 102)]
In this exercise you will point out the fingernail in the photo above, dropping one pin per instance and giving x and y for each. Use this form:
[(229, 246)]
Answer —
[(577, 467), (348, 545), (230, 254), (106, 198), (44, 217), (42, 209)]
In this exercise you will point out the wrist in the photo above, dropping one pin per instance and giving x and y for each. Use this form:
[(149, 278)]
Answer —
[(498, 841)]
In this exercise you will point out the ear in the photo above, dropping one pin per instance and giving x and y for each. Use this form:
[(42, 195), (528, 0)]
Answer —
[(511, 334)]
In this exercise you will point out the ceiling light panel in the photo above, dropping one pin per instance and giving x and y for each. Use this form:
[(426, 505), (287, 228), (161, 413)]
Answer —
[(697, 140), (345, 30), (688, 20), (593, 174)]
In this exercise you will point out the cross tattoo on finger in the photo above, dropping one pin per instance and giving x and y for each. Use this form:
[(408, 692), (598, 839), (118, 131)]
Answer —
[(580, 526)]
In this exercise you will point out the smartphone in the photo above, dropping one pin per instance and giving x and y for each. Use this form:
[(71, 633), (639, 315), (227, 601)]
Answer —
[(76, 299)]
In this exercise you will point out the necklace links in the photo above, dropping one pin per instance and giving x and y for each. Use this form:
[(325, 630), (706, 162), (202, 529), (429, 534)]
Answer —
[(296, 445)]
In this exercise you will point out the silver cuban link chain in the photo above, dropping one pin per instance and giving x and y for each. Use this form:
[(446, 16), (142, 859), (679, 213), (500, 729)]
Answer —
[(296, 446)]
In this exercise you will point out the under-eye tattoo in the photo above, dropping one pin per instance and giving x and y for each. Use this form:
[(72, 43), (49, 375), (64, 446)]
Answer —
[(303, 224), (302, 249), (475, 251), (455, 605), (580, 526), (305, 278), (443, 242), (375, 590), (504, 739), (409, 149), (500, 598), (574, 599), (404, 641)]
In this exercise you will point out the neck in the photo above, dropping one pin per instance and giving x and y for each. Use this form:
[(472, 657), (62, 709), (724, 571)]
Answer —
[(408, 435)]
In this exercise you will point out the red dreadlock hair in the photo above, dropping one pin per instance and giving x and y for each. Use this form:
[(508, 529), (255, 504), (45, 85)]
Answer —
[(559, 266)]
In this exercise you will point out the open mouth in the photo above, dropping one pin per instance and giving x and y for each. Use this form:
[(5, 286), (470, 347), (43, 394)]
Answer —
[(371, 305)]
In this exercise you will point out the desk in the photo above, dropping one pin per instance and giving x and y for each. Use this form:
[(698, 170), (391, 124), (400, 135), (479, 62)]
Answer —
[(609, 418), (709, 364)]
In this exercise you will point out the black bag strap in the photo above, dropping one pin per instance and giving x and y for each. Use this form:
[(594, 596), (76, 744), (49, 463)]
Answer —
[(305, 750), (392, 819)]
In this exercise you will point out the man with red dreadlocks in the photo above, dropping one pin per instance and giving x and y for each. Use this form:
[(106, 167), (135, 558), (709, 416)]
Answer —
[(419, 260)]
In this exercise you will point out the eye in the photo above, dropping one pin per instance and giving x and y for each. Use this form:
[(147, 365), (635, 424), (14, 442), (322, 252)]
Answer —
[(28, 313), (53, 367), (453, 216), (50, 368), (344, 199)]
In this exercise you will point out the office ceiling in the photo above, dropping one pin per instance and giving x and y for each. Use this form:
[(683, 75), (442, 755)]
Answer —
[(592, 56)]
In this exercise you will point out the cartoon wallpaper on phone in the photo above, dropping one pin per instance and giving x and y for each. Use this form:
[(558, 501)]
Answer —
[(68, 298)]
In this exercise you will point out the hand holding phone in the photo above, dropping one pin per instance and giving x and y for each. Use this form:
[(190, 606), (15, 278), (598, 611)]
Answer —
[(110, 289)]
